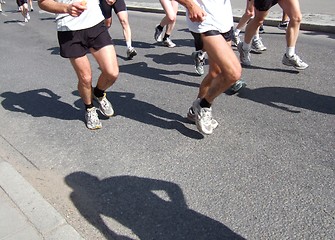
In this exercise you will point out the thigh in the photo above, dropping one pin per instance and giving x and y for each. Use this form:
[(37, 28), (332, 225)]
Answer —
[(82, 67), (290, 7), (221, 54), (106, 58), (170, 7), (119, 6)]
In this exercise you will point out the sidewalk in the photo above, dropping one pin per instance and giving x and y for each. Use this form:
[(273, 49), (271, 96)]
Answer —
[(310, 21), (25, 214)]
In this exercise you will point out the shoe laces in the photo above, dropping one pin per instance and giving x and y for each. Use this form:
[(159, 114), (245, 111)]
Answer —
[(92, 115), (206, 115)]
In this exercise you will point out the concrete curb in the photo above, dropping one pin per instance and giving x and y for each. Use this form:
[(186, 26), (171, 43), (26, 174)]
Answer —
[(46, 220), (310, 22)]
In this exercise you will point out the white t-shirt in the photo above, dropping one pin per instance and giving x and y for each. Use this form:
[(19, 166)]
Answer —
[(89, 18), (219, 16)]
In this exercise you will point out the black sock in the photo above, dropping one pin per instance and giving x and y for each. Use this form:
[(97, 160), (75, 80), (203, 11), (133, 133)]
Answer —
[(98, 93), (166, 36), (88, 106), (204, 103), (160, 28)]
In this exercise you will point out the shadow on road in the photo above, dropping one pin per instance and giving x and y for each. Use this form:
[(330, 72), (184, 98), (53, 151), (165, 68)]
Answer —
[(272, 96), (126, 105), (141, 69), (149, 208), (40, 103)]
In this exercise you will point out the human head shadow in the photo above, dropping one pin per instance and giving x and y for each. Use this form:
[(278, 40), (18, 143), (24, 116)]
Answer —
[(150, 208), (171, 58), (126, 105), (39, 103), (295, 97), (142, 69)]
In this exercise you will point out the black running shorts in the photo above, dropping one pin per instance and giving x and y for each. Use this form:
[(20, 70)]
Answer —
[(264, 5), (77, 43), (118, 6), (227, 35)]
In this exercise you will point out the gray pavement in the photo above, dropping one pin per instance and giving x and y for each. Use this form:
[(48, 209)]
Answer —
[(25, 214)]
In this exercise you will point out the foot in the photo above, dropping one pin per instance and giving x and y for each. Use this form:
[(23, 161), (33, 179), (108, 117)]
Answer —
[(105, 106), (294, 61), (158, 35), (257, 45), (203, 118), (168, 42), (237, 86), (191, 117), (283, 25), (198, 63), (244, 55), (131, 52), (92, 119)]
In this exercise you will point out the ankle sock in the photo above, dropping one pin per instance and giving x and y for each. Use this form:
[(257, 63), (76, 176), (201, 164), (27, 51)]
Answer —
[(204, 103), (88, 106), (166, 36), (98, 92), (159, 27)]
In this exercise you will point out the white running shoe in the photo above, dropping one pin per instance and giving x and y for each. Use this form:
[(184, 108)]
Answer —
[(105, 106), (168, 42), (92, 119), (295, 62), (191, 117), (244, 55), (131, 52), (236, 39), (257, 45), (203, 118), (198, 63), (158, 36)]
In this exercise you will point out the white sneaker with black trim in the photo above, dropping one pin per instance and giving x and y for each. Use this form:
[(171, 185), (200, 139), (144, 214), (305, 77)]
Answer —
[(92, 119), (105, 106)]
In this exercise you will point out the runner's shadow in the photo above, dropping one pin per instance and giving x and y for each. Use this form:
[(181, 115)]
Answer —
[(40, 103), (141, 69), (126, 105), (147, 208), (273, 96), (172, 58)]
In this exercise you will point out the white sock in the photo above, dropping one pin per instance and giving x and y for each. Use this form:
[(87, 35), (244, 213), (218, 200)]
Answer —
[(246, 46), (256, 37), (290, 51), (237, 31), (128, 44)]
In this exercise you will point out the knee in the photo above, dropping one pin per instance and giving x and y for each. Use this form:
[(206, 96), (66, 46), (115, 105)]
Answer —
[(85, 80), (297, 18), (171, 18), (124, 22), (249, 13), (112, 75), (235, 74)]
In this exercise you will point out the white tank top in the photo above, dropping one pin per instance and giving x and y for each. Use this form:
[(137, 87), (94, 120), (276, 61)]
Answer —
[(89, 18), (219, 16)]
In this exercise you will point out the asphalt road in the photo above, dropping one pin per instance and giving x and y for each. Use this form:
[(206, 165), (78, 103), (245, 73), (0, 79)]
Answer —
[(266, 173)]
